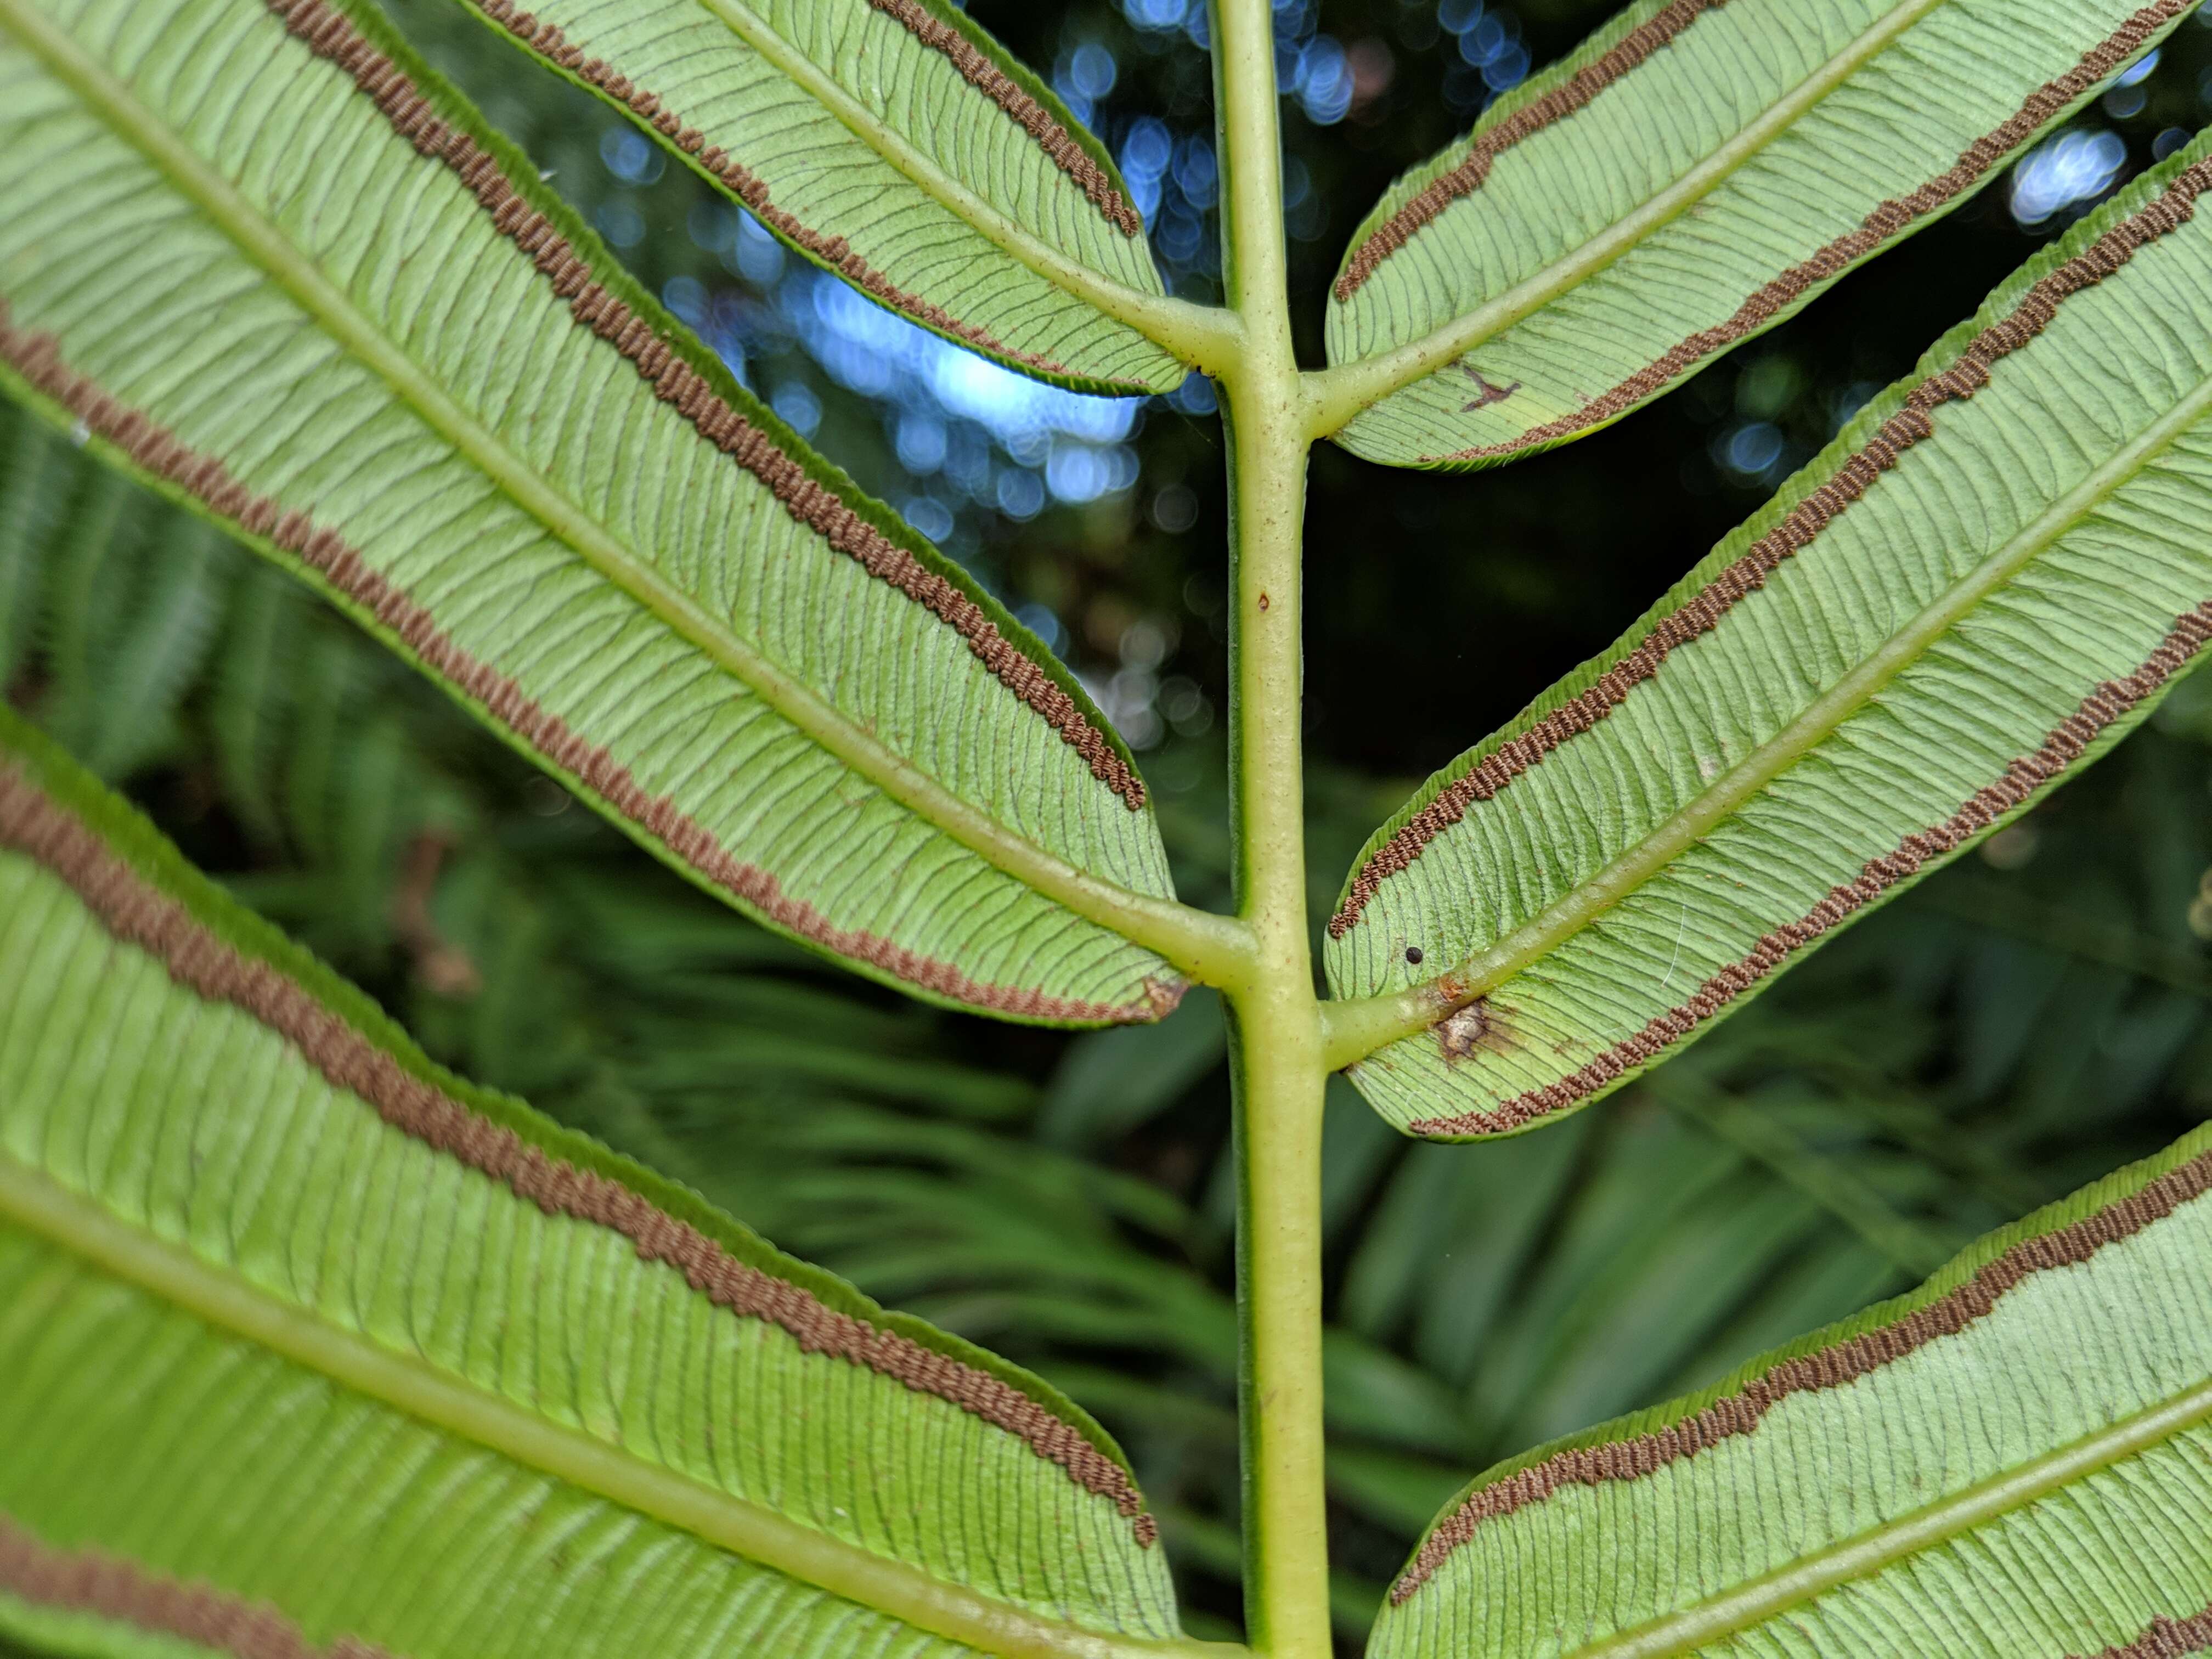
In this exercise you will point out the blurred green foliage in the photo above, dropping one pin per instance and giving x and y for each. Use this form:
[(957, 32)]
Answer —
[(2017, 1025)]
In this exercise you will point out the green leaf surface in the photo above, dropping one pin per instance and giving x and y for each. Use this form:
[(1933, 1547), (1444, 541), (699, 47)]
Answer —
[(2013, 1459), (1691, 175), (313, 299), (895, 143), (295, 1316), (1993, 572)]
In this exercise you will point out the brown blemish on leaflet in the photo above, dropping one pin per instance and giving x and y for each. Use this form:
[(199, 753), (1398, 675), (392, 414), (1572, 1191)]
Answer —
[(2166, 1638), (1848, 1361), (547, 39), (996, 84), (2108, 703), (1850, 480), (38, 358), (1460, 1033), (330, 36), (1564, 100), (1485, 393), (122, 1591), (137, 913), (1887, 222)]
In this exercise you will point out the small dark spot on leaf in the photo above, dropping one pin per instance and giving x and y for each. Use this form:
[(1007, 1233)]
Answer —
[(1263, 601), (1413, 955)]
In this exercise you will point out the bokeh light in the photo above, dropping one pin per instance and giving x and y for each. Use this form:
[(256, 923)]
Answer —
[(2072, 169)]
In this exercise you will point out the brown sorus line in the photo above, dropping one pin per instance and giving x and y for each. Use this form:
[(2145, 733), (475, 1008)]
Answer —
[(1968, 373), (330, 35), (1532, 117), (2068, 742), (1848, 1361), (1887, 222), (38, 358), (547, 39), (996, 84), (137, 913), (2167, 1639), (112, 1588)]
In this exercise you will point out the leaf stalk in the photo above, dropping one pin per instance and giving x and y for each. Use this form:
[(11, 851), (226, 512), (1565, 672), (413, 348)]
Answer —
[(1277, 1059)]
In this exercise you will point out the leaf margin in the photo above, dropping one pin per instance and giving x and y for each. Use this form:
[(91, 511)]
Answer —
[(1367, 1023), (132, 838), (1356, 386), (1681, 1427), (520, 31), (1159, 920)]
